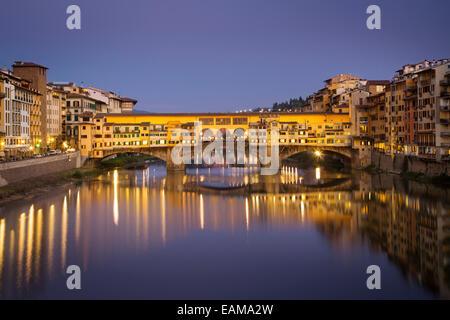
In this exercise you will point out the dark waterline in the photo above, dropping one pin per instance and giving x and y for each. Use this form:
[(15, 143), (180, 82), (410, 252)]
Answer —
[(300, 234)]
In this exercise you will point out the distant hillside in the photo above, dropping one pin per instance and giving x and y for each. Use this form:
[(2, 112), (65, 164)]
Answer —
[(140, 111), (289, 105)]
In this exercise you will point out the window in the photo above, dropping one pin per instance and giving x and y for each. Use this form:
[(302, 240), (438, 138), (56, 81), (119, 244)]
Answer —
[(207, 121), (223, 121), (239, 121)]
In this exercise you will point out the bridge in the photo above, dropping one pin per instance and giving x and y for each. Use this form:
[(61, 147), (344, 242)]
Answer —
[(158, 134)]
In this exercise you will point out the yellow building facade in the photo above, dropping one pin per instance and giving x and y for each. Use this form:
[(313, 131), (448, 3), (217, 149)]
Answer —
[(115, 132), (2, 118)]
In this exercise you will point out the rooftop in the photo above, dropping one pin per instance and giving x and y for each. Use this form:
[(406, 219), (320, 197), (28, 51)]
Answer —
[(204, 114), (27, 64)]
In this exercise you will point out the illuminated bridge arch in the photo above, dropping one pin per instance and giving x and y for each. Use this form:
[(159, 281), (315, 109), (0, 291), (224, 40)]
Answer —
[(157, 152), (288, 151)]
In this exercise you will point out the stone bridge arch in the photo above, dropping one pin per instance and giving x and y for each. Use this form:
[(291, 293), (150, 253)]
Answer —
[(288, 151), (163, 153), (157, 152)]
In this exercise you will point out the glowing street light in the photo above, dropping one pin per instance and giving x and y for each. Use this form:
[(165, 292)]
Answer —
[(317, 153)]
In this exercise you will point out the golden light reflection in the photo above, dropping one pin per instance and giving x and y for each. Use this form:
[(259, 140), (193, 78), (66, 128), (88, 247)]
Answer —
[(78, 217), (302, 210), (116, 197), (318, 173), (163, 216), (51, 238), (21, 246), (2, 248), (12, 251), (202, 213), (37, 259), (155, 216), (29, 243), (64, 234), (247, 214)]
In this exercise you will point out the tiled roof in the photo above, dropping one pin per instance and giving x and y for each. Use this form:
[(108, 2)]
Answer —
[(27, 64)]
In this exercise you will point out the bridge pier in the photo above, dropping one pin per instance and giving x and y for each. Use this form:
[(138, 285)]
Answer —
[(361, 158), (170, 165)]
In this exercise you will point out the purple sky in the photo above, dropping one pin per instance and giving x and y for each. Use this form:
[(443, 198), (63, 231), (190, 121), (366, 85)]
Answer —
[(220, 55)]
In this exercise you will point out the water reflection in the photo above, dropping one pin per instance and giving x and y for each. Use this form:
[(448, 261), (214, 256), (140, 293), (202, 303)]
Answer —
[(146, 211)]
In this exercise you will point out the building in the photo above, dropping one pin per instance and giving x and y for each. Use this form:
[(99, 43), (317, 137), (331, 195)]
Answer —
[(77, 107), (444, 115), (115, 132), (127, 104), (37, 76), (2, 117), (19, 99), (377, 119), (114, 103), (359, 118), (417, 110), (56, 112), (84, 103)]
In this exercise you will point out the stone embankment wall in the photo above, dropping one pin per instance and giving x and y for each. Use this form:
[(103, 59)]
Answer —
[(11, 172), (401, 164)]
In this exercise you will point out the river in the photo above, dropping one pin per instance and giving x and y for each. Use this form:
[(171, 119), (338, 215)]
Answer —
[(229, 234)]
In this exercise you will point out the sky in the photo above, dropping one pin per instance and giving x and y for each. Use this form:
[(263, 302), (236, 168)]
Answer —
[(220, 55)]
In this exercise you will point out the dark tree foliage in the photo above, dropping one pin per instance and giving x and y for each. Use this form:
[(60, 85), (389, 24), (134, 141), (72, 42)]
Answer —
[(289, 105)]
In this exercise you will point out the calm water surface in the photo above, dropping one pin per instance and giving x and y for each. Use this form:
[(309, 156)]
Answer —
[(299, 234)]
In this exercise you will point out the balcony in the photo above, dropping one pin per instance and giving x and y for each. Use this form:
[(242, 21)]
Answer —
[(444, 83), (445, 108), (412, 88), (445, 121), (445, 94), (445, 134)]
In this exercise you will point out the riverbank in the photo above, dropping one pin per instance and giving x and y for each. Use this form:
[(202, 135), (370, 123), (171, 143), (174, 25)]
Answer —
[(33, 187), (125, 161), (36, 186), (18, 171), (441, 181)]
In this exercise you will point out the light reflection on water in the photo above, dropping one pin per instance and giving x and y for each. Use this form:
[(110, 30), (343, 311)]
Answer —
[(148, 234)]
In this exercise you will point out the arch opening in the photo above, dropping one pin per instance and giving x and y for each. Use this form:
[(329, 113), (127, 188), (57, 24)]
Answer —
[(127, 157), (320, 157)]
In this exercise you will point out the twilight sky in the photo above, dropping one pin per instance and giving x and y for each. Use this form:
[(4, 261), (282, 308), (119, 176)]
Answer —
[(220, 55)]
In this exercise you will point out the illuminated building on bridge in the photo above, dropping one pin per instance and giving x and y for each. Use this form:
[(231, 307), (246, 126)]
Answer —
[(156, 134)]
